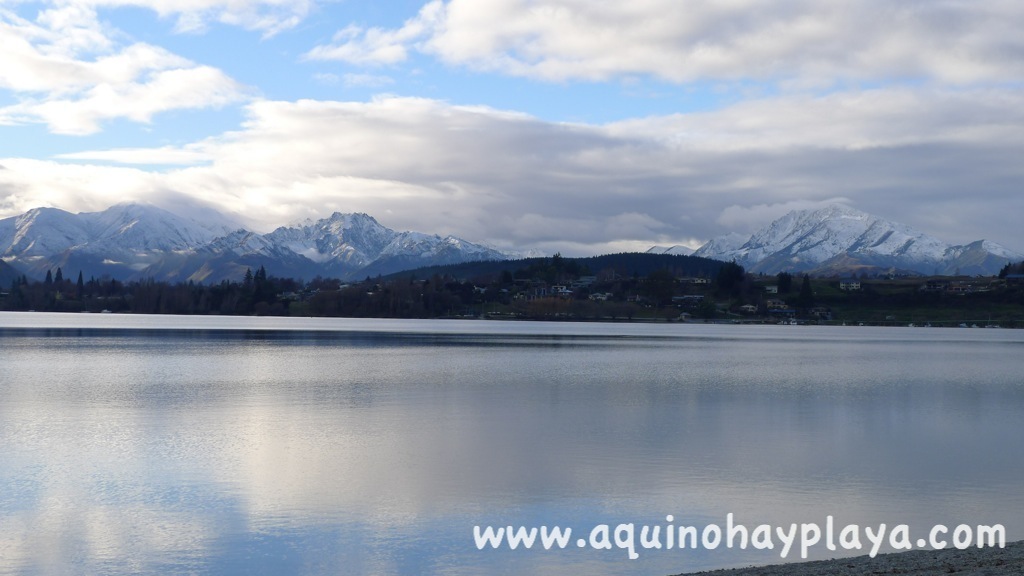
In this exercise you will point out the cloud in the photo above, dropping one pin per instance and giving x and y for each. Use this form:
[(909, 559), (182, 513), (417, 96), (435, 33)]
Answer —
[(377, 46), (167, 155), (70, 74), (267, 16), (367, 80), (750, 218), (191, 88), (559, 40), (354, 80), (31, 183), (516, 181), (851, 120)]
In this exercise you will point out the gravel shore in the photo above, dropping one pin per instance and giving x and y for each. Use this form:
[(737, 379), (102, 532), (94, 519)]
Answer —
[(971, 562)]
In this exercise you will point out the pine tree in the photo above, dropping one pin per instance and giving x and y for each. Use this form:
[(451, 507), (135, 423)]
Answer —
[(49, 279), (806, 298), (785, 282), (59, 278), (80, 285)]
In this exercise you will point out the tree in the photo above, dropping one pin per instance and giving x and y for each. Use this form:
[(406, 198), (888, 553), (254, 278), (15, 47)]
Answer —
[(660, 286), (785, 280), (730, 278), (80, 285), (806, 299), (59, 277), (49, 279)]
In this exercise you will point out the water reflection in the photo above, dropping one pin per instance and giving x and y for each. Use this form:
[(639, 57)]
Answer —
[(304, 451)]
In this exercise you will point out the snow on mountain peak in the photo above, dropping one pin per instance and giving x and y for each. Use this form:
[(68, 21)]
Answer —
[(804, 240), (676, 250)]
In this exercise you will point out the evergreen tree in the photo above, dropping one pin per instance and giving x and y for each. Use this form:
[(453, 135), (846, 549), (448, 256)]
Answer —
[(80, 285), (806, 298), (730, 278), (59, 277), (660, 286), (49, 279), (785, 280)]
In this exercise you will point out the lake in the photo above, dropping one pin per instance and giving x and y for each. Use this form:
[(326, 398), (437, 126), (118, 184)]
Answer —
[(219, 445)]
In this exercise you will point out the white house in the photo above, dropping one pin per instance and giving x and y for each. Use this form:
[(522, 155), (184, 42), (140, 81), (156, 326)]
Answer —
[(849, 284)]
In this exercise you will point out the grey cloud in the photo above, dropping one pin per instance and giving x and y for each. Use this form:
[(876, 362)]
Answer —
[(515, 181), (684, 42)]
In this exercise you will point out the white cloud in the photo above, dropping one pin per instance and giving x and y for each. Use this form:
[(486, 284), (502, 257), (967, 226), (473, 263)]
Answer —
[(267, 16), (69, 74), (375, 46), (367, 80), (26, 184), (167, 155), (354, 80), (190, 88), (516, 181), (847, 120), (557, 40)]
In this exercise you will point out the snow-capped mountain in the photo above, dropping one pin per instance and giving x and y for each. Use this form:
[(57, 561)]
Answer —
[(136, 241), (676, 250), (838, 239), (342, 246), (119, 241)]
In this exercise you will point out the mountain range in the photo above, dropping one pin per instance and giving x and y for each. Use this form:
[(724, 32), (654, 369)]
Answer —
[(137, 241), (839, 240), (134, 241)]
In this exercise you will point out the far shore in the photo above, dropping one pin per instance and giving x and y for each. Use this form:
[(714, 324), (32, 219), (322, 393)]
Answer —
[(1008, 561)]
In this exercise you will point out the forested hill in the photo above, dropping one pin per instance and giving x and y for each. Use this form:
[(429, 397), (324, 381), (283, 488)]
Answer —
[(626, 264)]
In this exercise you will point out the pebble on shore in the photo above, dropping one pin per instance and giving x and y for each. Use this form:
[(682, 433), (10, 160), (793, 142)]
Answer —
[(1008, 561)]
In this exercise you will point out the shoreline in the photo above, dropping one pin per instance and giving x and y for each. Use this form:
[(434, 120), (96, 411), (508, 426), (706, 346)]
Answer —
[(989, 561)]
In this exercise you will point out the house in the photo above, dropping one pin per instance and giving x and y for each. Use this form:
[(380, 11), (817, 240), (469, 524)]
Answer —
[(774, 304), (849, 284), (934, 286), (561, 291), (821, 313), (772, 289), (690, 300), (748, 309)]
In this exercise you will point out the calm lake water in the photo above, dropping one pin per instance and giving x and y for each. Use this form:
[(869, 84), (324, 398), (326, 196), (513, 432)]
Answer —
[(133, 444)]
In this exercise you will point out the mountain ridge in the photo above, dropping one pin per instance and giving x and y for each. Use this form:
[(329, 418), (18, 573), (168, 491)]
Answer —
[(133, 241), (837, 239)]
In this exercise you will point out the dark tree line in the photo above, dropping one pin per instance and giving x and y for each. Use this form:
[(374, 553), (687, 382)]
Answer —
[(554, 287), (257, 294), (521, 290), (1011, 268)]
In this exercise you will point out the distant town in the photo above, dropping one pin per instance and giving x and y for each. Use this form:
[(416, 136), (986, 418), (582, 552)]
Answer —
[(618, 287)]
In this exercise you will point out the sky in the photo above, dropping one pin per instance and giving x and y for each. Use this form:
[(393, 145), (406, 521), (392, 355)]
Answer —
[(556, 125)]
